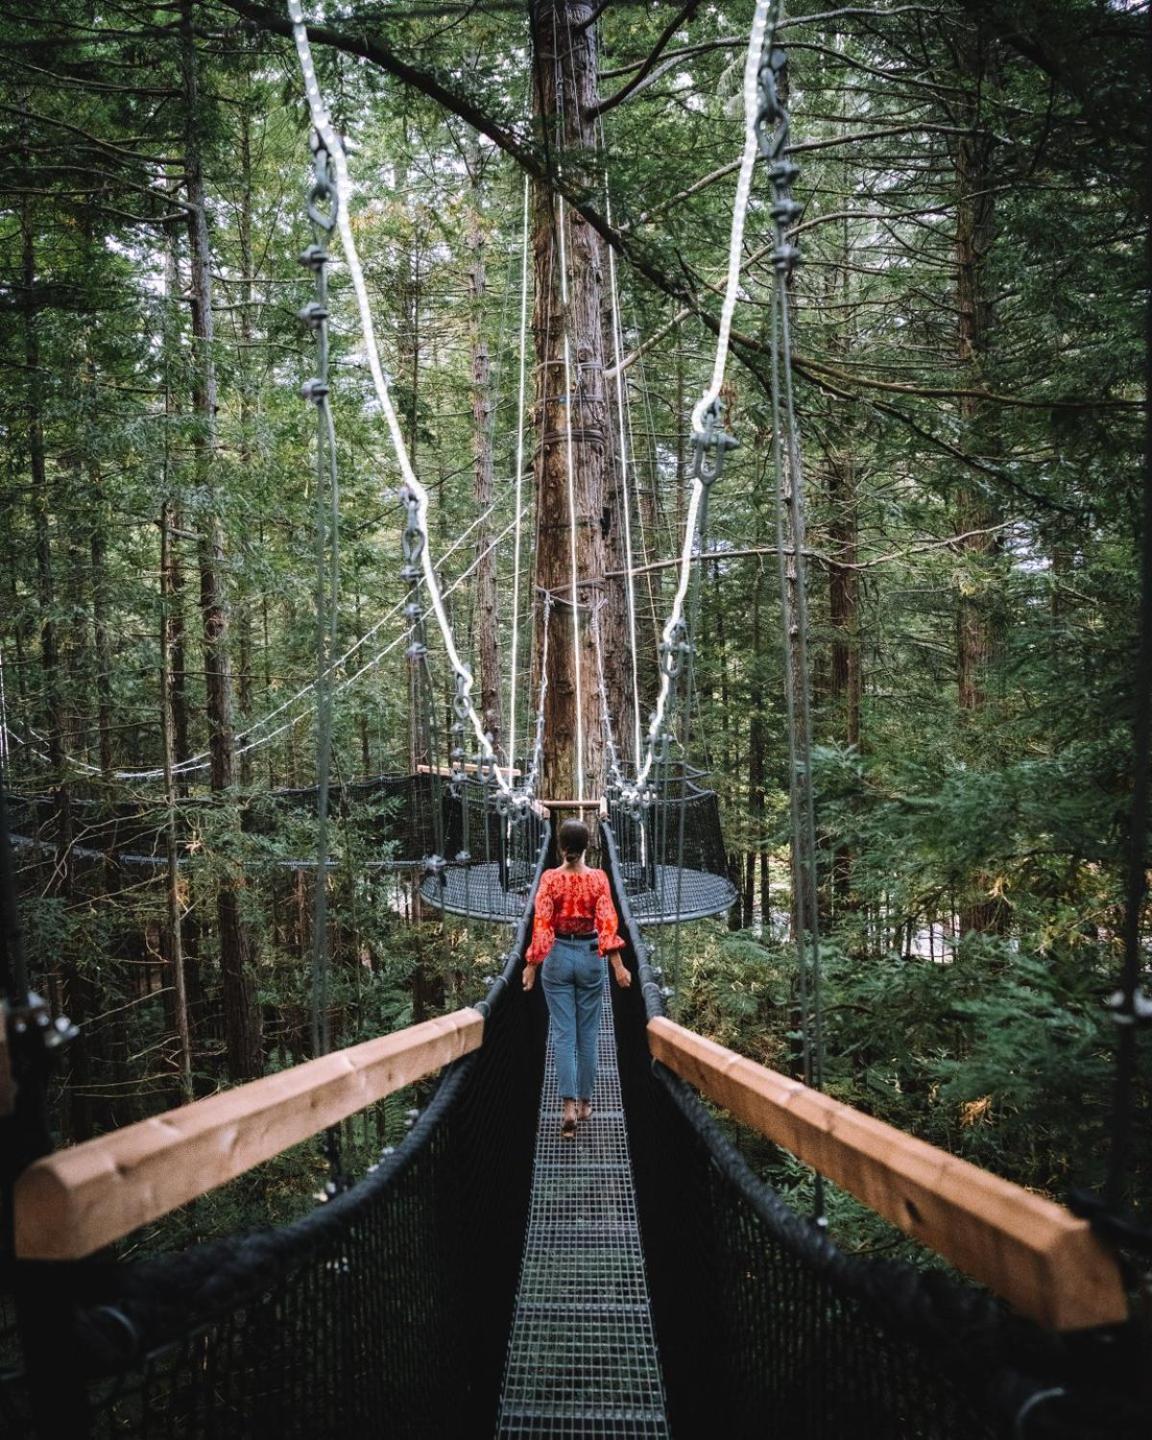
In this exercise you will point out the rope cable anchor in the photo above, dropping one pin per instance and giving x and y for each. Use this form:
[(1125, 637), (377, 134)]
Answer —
[(710, 445)]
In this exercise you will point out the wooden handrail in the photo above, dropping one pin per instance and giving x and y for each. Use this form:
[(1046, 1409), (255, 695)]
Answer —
[(81, 1199), (1041, 1259)]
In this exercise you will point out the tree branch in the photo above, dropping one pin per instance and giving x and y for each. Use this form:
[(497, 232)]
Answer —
[(683, 15)]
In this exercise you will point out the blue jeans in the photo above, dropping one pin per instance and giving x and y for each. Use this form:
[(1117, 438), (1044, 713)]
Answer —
[(573, 978)]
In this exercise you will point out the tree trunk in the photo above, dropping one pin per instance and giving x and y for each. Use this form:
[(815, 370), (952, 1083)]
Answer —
[(247, 262), (976, 638), (174, 578), (242, 1020), (570, 411), (173, 890)]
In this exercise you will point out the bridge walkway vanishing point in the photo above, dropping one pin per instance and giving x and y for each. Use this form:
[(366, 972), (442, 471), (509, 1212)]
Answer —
[(582, 1357)]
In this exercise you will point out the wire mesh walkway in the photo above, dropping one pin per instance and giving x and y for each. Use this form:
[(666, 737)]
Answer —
[(582, 1357)]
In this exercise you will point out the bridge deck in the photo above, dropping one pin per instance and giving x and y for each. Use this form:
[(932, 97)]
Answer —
[(582, 1357)]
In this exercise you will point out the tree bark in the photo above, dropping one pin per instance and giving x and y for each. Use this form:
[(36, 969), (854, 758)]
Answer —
[(173, 894), (570, 507), (242, 1020), (976, 637)]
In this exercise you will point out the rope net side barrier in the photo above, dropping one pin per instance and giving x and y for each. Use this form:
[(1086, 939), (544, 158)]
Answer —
[(469, 854), (384, 1311), (764, 1324), (673, 864)]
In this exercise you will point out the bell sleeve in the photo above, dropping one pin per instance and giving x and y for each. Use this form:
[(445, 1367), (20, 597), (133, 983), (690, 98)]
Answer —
[(607, 921), (543, 933)]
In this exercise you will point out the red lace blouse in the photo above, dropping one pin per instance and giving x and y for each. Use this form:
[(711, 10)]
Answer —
[(575, 903)]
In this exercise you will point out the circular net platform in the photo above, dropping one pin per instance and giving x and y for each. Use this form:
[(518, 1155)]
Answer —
[(486, 866), (672, 857)]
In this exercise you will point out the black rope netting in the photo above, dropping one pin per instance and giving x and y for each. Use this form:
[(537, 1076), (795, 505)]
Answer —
[(489, 854), (383, 1312), (671, 850), (400, 816), (766, 1327), (474, 858)]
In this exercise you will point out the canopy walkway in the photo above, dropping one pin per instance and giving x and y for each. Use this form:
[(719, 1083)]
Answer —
[(484, 1278)]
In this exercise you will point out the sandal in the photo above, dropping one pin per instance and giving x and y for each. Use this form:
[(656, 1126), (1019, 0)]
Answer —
[(585, 1110), (568, 1128)]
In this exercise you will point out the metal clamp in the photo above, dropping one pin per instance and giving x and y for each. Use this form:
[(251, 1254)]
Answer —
[(324, 191), (710, 446)]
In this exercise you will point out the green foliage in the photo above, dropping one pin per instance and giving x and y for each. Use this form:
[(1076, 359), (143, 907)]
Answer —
[(969, 461)]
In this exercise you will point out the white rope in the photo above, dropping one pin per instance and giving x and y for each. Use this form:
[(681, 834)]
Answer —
[(630, 581), (388, 649), (673, 624), (332, 143), (570, 468), (739, 211), (201, 760), (375, 660), (538, 741), (519, 485)]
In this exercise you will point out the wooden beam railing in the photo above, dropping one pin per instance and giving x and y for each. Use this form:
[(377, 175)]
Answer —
[(81, 1199), (1044, 1261)]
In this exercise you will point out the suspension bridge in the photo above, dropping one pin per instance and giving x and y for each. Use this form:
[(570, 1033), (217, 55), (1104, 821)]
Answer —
[(483, 1278)]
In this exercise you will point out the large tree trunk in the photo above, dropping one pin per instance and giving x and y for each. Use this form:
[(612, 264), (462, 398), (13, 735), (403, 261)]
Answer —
[(565, 92), (242, 1020)]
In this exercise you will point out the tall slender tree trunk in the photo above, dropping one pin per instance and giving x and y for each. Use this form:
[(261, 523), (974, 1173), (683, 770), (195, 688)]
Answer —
[(173, 893), (242, 1020), (174, 611), (246, 295), (976, 636), (570, 414)]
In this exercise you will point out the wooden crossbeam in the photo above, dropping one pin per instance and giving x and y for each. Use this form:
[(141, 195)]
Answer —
[(79, 1200), (469, 767), (1044, 1261)]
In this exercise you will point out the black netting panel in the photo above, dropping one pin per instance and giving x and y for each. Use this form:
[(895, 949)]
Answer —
[(384, 1312), (490, 852), (671, 851), (766, 1328), (408, 820), (411, 810)]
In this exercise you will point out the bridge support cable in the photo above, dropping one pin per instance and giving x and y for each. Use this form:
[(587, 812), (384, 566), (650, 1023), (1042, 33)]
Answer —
[(710, 443), (627, 476), (582, 1356), (385, 1310), (323, 209), (760, 1318), (513, 673), (412, 490)]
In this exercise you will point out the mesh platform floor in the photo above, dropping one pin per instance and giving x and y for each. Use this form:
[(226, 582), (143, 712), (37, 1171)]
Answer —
[(582, 1357), (476, 891), (677, 895)]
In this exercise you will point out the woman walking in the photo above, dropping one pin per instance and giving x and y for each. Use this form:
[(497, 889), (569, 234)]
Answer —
[(574, 928)]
